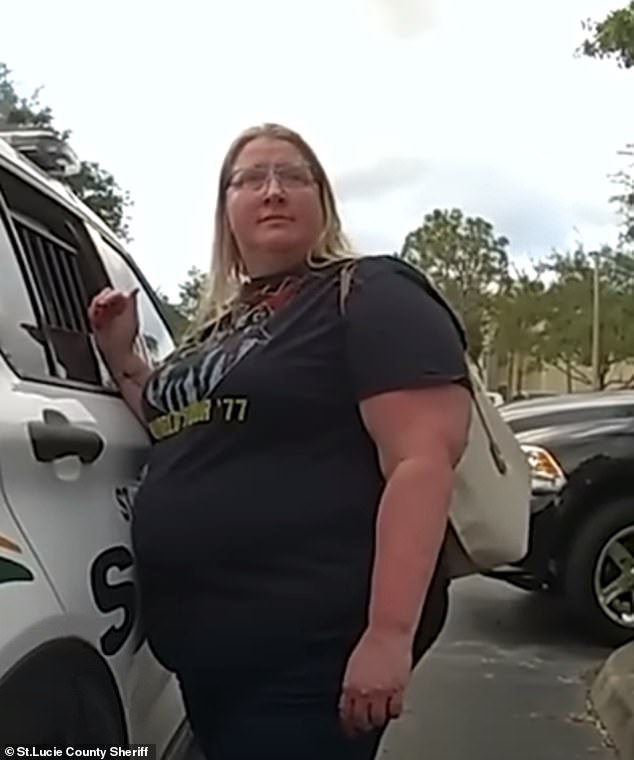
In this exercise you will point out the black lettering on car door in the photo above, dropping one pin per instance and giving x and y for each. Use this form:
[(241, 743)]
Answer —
[(110, 596)]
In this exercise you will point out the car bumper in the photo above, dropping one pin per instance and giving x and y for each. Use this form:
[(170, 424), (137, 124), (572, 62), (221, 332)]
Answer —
[(532, 571), (540, 502)]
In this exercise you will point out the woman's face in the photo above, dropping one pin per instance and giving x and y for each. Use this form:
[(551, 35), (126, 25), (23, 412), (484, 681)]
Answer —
[(273, 205)]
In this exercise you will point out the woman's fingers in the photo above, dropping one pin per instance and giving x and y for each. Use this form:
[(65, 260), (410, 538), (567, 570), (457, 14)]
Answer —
[(109, 295), (114, 302), (102, 295), (345, 712), (362, 708), (395, 705), (364, 712), (100, 300), (378, 710), (108, 303)]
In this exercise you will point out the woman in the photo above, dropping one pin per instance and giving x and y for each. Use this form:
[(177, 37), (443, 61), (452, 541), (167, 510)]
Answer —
[(288, 532)]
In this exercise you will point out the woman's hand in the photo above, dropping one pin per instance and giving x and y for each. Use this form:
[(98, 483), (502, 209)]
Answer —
[(115, 321), (376, 677)]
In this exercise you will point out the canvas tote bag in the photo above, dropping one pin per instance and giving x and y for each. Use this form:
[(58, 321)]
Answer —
[(490, 509)]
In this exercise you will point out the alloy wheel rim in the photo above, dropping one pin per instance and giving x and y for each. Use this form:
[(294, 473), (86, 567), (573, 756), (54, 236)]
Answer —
[(614, 578)]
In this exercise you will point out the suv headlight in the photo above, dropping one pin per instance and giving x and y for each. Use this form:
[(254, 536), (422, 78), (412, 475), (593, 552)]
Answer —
[(546, 473)]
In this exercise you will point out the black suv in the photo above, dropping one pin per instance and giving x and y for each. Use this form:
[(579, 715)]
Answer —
[(581, 450)]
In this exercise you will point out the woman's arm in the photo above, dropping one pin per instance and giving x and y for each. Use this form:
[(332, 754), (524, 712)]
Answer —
[(406, 360), (114, 319), (130, 373), (420, 436)]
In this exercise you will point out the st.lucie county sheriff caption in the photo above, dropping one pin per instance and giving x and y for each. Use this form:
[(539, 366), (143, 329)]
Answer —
[(100, 753)]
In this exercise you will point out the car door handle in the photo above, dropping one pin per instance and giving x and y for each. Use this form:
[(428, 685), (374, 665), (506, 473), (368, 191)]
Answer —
[(56, 437)]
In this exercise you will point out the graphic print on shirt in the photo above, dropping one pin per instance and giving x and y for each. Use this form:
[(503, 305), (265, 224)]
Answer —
[(182, 391)]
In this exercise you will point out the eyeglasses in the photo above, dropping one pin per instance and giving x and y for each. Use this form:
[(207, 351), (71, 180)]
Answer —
[(290, 176)]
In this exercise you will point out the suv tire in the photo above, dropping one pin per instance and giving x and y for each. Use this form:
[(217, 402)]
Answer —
[(582, 577), (51, 701)]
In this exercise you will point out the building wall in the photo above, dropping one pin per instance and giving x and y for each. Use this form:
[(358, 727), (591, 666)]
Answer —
[(551, 379)]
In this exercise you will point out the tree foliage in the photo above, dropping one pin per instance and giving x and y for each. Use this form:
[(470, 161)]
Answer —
[(467, 261), (569, 317), (624, 198), (190, 292), (613, 37), (100, 192), (181, 312), (94, 185), (546, 319), (528, 321), (519, 327)]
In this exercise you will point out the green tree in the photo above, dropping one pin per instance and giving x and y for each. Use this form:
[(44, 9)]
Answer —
[(190, 292), (625, 197), (179, 314), (100, 192), (519, 326), (467, 261), (613, 37), (569, 318), (94, 185), (18, 110), (176, 321)]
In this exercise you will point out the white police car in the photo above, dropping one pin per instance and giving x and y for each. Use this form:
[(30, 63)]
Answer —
[(74, 667)]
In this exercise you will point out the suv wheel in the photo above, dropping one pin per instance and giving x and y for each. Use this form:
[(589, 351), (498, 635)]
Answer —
[(598, 580), (52, 702)]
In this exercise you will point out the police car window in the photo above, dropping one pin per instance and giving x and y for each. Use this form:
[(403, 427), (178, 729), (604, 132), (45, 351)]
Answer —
[(156, 338), (20, 341), (58, 263)]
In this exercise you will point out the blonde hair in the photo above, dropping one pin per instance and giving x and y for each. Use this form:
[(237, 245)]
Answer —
[(226, 274)]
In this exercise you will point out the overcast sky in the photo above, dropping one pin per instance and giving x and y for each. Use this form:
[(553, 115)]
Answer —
[(411, 104)]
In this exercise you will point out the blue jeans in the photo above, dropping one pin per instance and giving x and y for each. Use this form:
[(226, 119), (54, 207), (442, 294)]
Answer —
[(289, 714), (263, 704)]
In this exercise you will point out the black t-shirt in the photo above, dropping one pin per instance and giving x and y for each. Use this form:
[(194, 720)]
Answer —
[(254, 527)]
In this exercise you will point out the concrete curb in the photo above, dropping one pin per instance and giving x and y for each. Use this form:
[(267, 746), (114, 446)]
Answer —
[(612, 695)]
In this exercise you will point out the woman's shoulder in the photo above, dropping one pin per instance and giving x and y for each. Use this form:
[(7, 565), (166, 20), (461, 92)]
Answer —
[(387, 267), (385, 273), (389, 281)]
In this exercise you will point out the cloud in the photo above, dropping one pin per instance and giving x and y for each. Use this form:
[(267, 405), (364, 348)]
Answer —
[(407, 18), (368, 240), (383, 203), (380, 178)]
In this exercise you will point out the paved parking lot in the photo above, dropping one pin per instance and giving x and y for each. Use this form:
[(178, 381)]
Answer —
[(506, 680)]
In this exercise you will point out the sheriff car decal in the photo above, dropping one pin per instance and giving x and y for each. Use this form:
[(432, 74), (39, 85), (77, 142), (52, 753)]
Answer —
[(12, 571), (109, 596)]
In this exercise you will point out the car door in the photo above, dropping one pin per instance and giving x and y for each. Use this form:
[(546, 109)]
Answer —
[(155, 342), (69, 447)]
